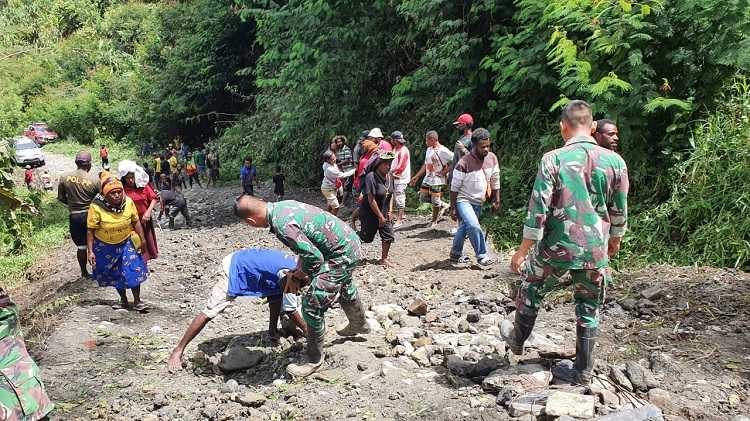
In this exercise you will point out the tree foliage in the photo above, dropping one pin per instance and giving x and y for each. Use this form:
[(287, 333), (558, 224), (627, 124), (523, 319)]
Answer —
[(275, 80)]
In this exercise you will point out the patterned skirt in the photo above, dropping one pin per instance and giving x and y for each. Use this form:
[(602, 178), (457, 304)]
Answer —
[(118, 265)]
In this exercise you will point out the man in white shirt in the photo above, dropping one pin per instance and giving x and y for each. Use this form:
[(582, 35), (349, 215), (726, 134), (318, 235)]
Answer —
[(437, 164), (476, 178)]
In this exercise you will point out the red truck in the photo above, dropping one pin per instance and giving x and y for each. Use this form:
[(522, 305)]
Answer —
[(41, 133)]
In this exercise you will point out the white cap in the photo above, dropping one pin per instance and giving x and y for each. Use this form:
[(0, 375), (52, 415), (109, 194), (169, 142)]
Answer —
[(376, 133)]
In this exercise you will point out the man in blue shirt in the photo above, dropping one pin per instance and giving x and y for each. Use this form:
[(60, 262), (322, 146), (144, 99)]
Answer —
[(247, 176), (247, 273)]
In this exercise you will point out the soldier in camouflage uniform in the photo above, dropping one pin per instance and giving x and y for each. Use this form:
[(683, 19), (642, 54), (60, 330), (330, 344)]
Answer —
[(328, 251), (22, 395), (577, 216)]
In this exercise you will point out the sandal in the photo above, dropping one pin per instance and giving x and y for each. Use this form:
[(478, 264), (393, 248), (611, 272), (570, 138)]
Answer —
[(120, 306), (140, 307)]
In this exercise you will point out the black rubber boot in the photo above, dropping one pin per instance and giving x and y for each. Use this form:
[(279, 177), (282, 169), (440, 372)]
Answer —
[(580, 372), (314, 356), (515, 334), (585, 341), (355, 313), (171, 223)]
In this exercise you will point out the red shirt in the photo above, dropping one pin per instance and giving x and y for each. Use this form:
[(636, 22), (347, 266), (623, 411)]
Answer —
[(360, 169), (141, 197), (28, 176), (103, 152)]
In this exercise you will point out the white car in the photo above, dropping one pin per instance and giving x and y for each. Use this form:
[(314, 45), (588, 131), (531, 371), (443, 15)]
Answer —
[(28, 152)]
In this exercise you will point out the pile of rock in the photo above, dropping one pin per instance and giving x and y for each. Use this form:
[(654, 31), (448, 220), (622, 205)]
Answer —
[(468, 344)]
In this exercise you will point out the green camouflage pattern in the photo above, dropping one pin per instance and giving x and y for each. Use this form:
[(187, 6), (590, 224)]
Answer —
[(578, 202), (325, 289), (328, 249), (22, 394), (589, 288)]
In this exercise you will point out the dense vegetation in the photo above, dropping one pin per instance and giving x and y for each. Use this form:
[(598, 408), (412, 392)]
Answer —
[(277, 79)]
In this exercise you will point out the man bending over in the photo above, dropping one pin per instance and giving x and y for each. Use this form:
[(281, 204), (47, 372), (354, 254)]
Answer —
[(246, 273)]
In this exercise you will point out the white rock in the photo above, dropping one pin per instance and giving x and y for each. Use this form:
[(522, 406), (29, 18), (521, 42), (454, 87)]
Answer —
[(421, 356), (571, 404), (156, 329), (383, 310), (374, 325), (389, 369), (445, 339), (458, 292)]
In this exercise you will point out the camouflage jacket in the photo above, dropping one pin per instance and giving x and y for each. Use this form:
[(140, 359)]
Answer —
[(578, 201), (317, 237), (22, 395)]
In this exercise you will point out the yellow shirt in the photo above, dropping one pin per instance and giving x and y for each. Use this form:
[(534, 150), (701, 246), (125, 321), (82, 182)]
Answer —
[(111, 227), (157, 165), (173, 164)]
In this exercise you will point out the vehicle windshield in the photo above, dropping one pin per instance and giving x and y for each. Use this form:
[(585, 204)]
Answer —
[(25, 145), (40, 129)]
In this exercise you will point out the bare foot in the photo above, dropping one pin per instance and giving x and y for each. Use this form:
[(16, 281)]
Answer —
[(386, 263), (174, 363)]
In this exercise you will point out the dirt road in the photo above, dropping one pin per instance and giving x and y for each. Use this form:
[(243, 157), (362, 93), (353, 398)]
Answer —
[(448, 364)]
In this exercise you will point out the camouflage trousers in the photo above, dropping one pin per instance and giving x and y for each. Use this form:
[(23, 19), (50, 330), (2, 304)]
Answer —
[(325, 289), (22, 394), (589, 288)]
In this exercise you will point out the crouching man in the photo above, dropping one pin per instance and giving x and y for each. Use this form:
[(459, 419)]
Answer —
[(247, 273)]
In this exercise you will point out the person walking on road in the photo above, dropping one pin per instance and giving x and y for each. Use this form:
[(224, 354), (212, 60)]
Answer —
[(329, 251), (259, 273), (104, 155), (278, 184), (114, 240), (248, 172), (135, 181), (28, 177), (77, 189), (368, 147), (437, 164), (476, 178), (332, 181), (576, 219), (401, 175), (375, 210), (46, 181)]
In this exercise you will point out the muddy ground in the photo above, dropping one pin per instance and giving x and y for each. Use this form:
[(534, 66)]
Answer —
[(99, 363)]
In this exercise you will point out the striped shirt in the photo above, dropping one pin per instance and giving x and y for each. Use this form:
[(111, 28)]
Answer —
[(471, 175)]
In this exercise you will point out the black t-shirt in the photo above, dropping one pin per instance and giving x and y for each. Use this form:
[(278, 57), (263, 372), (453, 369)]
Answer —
[(172, 198), (165, 167), (278, 181), (375, 187)]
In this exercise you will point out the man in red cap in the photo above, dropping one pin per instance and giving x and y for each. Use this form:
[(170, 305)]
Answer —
[(77, 189)]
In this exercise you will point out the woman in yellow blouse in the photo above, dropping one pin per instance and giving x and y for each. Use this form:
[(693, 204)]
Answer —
[(114, 239)]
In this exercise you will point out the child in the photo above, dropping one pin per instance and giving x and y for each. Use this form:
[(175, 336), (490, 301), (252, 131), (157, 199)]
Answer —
[(252, 273), (28, 177), (47, 181), (278, 184)]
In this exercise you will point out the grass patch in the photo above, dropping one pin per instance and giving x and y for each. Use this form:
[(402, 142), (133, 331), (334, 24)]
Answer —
[(49, 230), (117, 151)]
